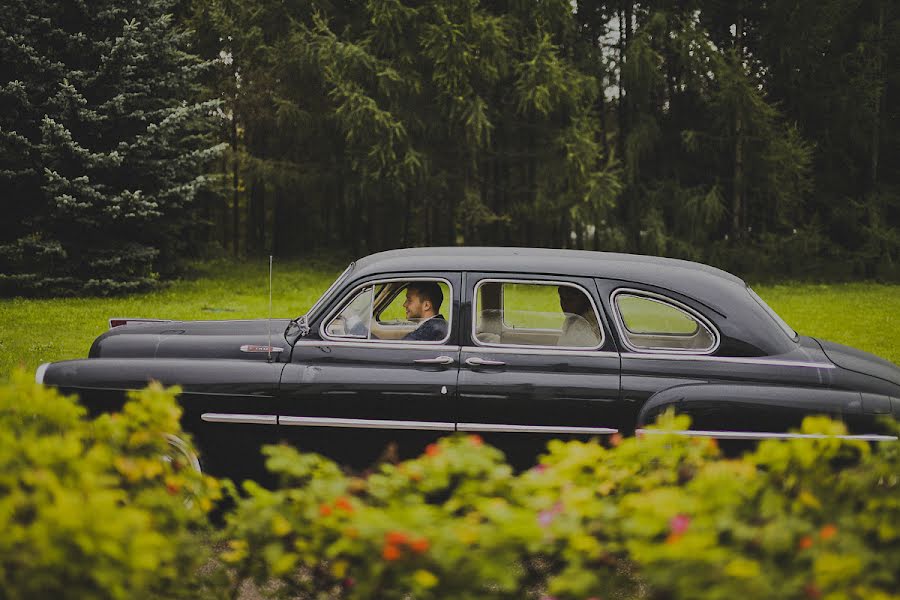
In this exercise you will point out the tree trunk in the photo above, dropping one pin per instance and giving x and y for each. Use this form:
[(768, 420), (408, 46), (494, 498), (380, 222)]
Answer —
[(737, 201), (235, 204)]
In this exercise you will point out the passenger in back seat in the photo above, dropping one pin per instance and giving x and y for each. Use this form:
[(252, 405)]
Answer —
[(580, 329)]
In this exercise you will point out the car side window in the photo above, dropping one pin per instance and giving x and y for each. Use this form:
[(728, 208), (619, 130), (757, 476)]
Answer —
[(514, 313), (407, 310), (649, 322)]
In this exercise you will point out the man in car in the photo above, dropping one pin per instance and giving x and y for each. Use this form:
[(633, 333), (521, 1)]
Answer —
[(423, 302), (580, 328)]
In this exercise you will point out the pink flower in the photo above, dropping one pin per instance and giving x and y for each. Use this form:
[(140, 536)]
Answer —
[(545, 517), (679, 524)]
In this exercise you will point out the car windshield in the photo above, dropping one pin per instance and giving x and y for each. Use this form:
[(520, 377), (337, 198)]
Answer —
[(311, 312), (784, 326)]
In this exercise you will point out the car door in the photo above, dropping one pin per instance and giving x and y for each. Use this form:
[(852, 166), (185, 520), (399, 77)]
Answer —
[(521, 382), (358, 392)]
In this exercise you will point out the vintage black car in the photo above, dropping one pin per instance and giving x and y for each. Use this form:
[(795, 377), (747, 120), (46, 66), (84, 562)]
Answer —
[(528, 345)]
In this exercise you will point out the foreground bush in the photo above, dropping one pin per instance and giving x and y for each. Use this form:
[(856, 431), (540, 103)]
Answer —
[(90, 508), (658, 517)]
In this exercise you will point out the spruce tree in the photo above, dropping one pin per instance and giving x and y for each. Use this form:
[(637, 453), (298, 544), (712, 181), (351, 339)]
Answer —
[(103, 144)]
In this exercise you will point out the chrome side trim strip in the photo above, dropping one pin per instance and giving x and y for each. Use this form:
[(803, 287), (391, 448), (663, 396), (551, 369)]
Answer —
[(748, 360), (365, 423), (381, 344), (548, 351), (261, 349), (240, 418), (767, 435), (40, 372), (504, 428)]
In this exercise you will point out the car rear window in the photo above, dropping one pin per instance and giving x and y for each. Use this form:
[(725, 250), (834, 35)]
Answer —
[(650, 322)]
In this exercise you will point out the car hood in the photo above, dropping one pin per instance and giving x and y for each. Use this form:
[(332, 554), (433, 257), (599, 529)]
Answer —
[(860, 362), (247, 339)]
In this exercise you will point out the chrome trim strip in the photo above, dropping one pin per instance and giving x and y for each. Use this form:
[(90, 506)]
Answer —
[(240, 418), (505, 428), (541, 351), (749, 360), (328, 318), (255, 348), (766, 435), (380, 344), (40, 372), (365, 423), (547, 282), (620, 323)]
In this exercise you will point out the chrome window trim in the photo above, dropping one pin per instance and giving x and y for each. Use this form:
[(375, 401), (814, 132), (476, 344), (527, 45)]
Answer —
[(373, 283), (766, 435), (380, 344), (622, 329), (749, 360), (547, 282), (507, 428), (540, 351), (311, 313), (365, 423), (240, 418)]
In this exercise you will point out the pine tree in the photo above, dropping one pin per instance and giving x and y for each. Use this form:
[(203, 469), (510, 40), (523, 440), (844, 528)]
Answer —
[(102, 145)]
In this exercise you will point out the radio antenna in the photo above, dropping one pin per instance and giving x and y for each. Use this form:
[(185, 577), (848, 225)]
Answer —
[(269, 322)]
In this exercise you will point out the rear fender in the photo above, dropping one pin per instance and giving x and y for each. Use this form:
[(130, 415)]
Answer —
[(755, 408)]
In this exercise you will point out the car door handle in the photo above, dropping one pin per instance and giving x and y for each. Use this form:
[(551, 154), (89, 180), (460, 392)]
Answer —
[(483, 362), (440, 360)]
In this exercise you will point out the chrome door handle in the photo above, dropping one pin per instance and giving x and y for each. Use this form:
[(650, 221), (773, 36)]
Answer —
[(483, 362), (440, 360)]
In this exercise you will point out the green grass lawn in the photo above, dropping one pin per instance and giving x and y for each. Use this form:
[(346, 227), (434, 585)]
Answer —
[(864, 315)]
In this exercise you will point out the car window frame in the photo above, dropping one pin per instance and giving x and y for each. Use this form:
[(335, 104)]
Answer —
[(348, 297), (546, 282), (662, 299)]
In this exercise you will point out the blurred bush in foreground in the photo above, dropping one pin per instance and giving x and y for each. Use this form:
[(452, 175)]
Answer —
[(656, 517), (99, 508)]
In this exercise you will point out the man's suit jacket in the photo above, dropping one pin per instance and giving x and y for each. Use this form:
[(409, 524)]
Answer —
[(431, 330)]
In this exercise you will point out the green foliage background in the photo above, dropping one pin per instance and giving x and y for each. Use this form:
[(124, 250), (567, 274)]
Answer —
[(754, 136)]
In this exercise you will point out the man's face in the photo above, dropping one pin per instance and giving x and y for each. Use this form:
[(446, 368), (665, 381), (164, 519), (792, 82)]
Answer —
[(572, 301), (415, 307)]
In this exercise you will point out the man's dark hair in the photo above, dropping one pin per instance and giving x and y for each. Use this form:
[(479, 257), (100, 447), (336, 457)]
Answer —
[(428, 290)]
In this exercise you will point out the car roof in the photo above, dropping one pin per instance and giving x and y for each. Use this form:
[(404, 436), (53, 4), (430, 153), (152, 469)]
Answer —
[(682, 276)]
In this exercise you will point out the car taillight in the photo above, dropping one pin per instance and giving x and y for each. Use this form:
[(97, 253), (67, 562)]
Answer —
[(117, 322)]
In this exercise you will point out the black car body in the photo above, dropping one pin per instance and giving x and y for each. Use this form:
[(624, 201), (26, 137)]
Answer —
[(650, 334)]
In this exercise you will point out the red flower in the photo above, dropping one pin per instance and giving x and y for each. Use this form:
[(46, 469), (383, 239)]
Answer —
[(828, 531), (324, 510), (805, 543), (419, 546), (475, 440), (396, 538), (432, 450), (615, 439), (812, 591), (344, 504), (390, 552)]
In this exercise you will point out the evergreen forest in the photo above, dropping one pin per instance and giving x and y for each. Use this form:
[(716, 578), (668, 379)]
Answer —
[(759, 136)]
